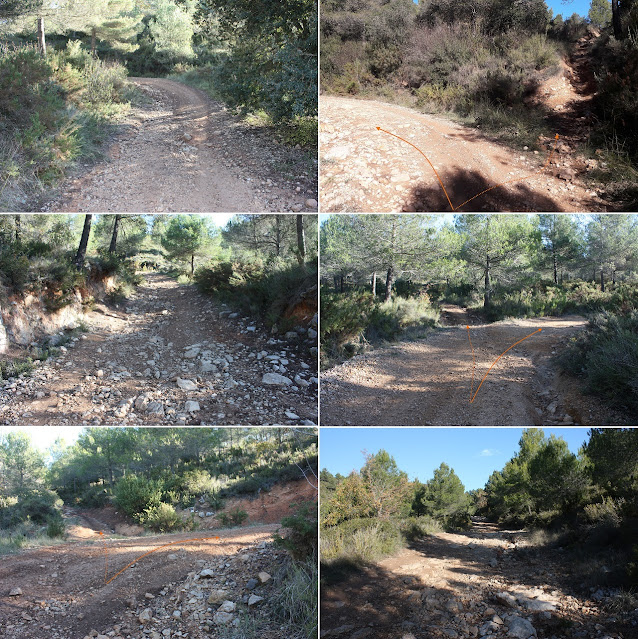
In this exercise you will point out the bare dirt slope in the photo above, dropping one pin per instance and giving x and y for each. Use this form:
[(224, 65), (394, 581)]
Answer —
[(168, 345), (366, 170), (429, 382), (481, 583), (181, 151), (64, 595)]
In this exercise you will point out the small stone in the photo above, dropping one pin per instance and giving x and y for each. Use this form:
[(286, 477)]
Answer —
[(217, 596), (276, 379), (227, 606), (520, 628), (186, 384), (291, 415), (311, 203), (145, 616), (100, 373), (207, 572), (191, 406), (264, 577), (253, 600), (251, 584), (177, 614), (222, 618), (15, 592)]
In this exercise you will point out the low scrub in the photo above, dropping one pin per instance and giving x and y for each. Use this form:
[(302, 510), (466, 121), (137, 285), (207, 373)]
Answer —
[(351, 320), (267, 292), (606, 357), (162, 518), (53, 111)]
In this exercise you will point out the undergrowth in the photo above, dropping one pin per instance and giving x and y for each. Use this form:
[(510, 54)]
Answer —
[(53, 112)]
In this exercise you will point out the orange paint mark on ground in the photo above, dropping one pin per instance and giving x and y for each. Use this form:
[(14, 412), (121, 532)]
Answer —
[(496, 360), (172, 543), (456, 208)]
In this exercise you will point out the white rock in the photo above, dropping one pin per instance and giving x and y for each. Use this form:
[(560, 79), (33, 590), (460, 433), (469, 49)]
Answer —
[(155, 408), (191, 406), (253, 600), (264, 577), (312, 333), (15, 592), (276, 379), (520, 628), (227, 606), (222, 618), (186, 384), (145, 616), (207, 572), (291, 415)]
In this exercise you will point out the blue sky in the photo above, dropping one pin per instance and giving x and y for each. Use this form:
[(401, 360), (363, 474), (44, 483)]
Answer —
[(564, 8), (473, 453)]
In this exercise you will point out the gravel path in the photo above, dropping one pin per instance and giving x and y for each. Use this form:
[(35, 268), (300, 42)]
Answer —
[(366, 170), (63, 594), (429, 382), (181, 151), (486, 582), (170, 356)]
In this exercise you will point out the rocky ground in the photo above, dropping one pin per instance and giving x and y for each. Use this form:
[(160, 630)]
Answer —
[(178, 150), (429, 382), (486, 583), (193, 588), (366, 170), (169, 355)]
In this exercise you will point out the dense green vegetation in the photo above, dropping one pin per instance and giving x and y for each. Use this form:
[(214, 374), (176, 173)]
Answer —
[(386, 276), (155, 476), (63, 69), (485, 61), (586, 502), (272, 270)]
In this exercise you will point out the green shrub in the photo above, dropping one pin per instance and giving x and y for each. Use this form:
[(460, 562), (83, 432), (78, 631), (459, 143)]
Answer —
[(55, 527), (418, 527), (608, 512), (301, 539), (135, 494), (606, 356), (161, 518), (235, 517), (361, 540), (295, 602)]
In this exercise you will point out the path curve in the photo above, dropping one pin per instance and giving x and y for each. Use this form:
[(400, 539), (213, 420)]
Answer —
[(429, 382), (181, 151), (479, 583), (366, 170), (125, 370)]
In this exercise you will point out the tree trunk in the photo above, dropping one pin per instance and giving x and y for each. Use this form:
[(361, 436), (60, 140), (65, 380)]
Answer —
[(116, 228), (18, 228), (389, 280), (301, 241), (554, 260), (486, 298), (93, 41), (336, 282), (79, 257), (602, 279), (277, 235), (342, 282), (374, 284), (42, 43), (192, 264), (615, 20)]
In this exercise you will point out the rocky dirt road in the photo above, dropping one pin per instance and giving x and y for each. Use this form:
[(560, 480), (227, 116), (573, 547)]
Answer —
[(486, 582), (189, 589), (181, 151), (169, 355), (366, 170), (429, 382)]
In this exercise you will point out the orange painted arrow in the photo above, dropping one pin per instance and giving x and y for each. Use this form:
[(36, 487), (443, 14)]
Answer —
[(496, 360), (456, 208), (172, 543)]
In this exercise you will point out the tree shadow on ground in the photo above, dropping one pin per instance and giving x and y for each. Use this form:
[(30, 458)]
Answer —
[(374, 601), (463, 185)]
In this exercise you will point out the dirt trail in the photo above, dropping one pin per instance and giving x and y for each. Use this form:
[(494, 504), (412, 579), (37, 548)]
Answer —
[(366, 170), (169, 356), (64, 595), (429, 382), (483, 582), (181, 151)]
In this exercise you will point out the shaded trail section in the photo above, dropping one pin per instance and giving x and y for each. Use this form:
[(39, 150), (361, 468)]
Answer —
[(181, 151)]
